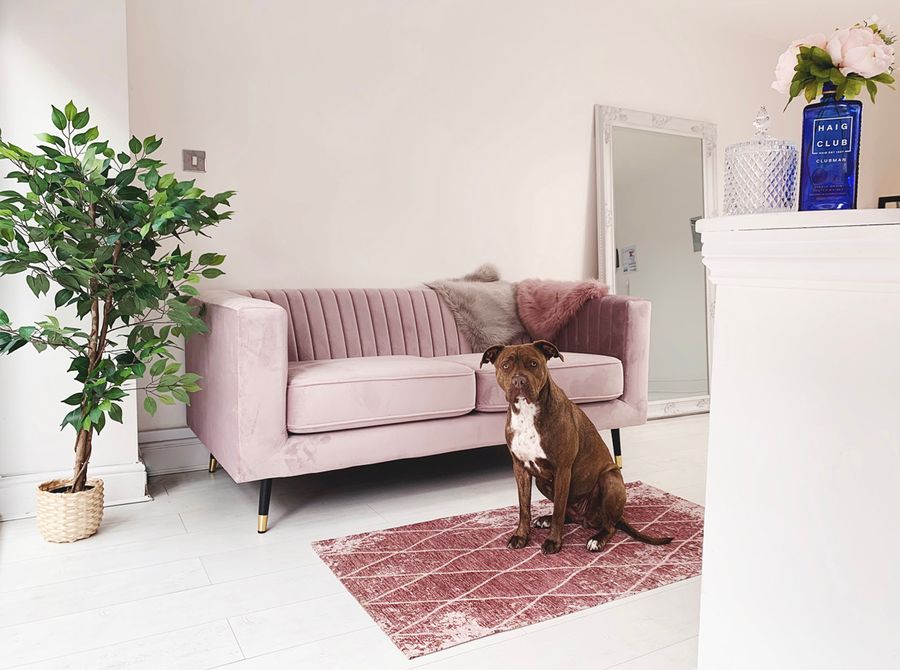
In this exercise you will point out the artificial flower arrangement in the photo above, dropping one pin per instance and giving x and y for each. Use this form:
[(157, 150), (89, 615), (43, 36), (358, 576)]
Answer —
[(848, 58)]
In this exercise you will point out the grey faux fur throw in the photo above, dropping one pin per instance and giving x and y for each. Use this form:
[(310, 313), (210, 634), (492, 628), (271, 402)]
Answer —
[(484, 307)]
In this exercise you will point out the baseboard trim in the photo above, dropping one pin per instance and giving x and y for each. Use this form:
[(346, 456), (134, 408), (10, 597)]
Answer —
[(661, 409), (122, 484), (170, 450)]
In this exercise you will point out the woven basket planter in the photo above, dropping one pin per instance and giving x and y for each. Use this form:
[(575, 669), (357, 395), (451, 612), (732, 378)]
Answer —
[(67, 517)]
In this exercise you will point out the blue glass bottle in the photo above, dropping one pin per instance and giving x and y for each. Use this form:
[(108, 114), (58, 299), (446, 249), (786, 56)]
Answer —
[(830, 158)]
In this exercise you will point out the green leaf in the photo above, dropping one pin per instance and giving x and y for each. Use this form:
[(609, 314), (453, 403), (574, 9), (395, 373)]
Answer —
[(820, 72), (70, 110), (151, 179), (150, 405), (151, 144), (73, 418), (134, 145), (836, 77), (820, 57), (872, 88), (115, 413), (80, 120), (74, 399), (34, 283), (157, 368), (39, 345), (181, 395), (58, 118), (884, 78), (12, 268), (811, 91), (125, 177), (52, 139), (797, 84), (62, 297), (88, 135), (4, 319), (212, 273), (211, 259), (165, 181), (166, 400)]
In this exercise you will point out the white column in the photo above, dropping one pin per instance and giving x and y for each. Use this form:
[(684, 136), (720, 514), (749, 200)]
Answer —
[(802, 557), (51, 52)]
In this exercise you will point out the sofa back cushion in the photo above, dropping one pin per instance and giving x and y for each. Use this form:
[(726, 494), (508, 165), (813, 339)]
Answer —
[(347, 323)]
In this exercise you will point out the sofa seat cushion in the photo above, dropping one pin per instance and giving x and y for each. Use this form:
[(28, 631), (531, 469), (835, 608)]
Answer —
[(370, 391), (582, 377)]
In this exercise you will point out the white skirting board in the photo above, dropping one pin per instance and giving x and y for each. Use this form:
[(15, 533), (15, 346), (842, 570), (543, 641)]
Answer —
[(661, 409), (171, 450), (121, 484)]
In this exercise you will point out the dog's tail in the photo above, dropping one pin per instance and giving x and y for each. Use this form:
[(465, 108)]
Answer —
[(626, 527)]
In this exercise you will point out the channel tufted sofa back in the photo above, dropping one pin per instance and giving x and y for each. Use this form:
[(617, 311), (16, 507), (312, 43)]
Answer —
[(349, 323)]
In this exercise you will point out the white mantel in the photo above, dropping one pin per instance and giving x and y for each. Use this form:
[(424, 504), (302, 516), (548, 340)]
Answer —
[(802, 553)]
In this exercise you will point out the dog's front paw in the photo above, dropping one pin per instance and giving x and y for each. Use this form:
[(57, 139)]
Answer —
[(550, 547), (543, 521), (517, 541)]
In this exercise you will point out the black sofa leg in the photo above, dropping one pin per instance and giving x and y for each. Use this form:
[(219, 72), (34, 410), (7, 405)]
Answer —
[(265, 493), (213, 463), (617, 446)]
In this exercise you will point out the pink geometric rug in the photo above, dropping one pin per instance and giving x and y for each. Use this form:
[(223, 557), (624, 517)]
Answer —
[(440, 583)]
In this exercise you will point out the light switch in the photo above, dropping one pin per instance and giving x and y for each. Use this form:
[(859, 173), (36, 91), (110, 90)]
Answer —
[(193, 160)]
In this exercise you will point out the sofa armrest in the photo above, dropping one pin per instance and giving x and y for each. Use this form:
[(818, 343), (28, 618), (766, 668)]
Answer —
[(240, 413), (618, 326)]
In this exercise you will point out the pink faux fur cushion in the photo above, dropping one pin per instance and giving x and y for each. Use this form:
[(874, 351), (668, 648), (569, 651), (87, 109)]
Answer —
[(545, 306)]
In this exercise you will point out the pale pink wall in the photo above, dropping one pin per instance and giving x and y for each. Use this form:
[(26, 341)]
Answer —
[(378, 143)]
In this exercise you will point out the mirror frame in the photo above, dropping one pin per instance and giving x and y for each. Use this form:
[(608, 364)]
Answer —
[(605, 119)]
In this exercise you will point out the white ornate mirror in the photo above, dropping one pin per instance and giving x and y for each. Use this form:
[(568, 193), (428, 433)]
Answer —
[(656, 175)]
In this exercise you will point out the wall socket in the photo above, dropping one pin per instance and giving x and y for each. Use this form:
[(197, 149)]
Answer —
[(194, 160)]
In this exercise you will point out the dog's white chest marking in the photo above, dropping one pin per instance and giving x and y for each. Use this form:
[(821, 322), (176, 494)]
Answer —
[(526, 443)]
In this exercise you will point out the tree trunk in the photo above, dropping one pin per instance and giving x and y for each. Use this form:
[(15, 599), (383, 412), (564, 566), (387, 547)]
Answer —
[(82, 456), (94, 353)]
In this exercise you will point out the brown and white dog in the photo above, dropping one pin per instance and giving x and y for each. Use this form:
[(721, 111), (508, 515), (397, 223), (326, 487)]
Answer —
[(551, 439)]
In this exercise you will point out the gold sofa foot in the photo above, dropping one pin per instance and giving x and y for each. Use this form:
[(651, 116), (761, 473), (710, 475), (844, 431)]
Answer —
[(262, 523), (619, 462), (213, 463)]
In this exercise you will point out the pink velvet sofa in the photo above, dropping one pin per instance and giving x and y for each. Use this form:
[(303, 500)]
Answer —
[(306, 380)]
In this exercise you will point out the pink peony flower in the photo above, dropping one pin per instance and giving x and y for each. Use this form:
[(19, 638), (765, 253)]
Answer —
[(860, 51), (784, 70)]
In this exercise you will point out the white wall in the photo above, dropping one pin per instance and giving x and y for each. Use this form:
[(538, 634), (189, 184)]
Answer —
[(51, 52), (658, 188), (385, 143)]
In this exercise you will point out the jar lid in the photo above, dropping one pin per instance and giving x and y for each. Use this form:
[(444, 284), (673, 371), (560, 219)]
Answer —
[(762, 140)]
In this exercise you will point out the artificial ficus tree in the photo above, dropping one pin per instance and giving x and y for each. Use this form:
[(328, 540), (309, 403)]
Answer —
[(102, 229)]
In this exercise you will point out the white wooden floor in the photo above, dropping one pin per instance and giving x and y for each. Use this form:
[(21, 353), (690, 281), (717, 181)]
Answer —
[(185, 581)]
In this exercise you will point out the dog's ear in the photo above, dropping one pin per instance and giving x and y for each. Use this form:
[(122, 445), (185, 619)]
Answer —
[(548, 349), (491, 354)]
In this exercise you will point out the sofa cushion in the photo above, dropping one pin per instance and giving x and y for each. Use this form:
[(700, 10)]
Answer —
[(582, 377), (371, 391)]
